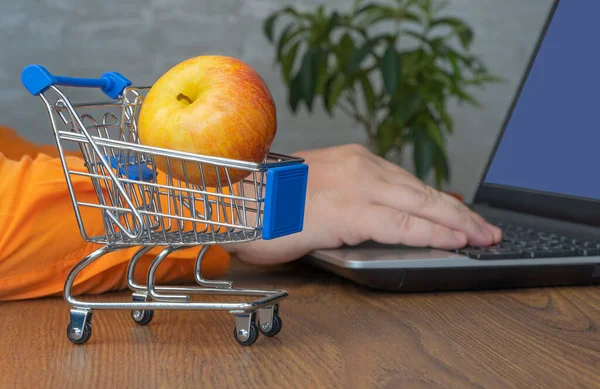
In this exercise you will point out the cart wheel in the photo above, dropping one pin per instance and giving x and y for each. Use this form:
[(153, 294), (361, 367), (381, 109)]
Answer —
[(142, 317), (276, 325), (252, 336), (85, 336)]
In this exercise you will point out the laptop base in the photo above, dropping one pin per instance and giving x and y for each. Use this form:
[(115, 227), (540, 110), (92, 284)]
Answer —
[(466, 278), (409, 269)]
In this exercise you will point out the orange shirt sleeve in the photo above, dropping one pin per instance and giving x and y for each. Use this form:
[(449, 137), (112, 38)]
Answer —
[(40, 239)]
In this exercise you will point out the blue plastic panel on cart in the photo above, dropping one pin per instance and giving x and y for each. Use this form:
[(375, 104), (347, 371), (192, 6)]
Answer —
[(132, 170), (285, 200)]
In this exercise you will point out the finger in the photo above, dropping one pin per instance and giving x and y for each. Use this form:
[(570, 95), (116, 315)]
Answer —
[(493, 230), (434, 206), (496, 232), (389, 226), (401, 176), (418, 185)]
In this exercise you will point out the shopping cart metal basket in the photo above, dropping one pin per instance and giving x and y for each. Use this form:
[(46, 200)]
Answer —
[(146, 207)]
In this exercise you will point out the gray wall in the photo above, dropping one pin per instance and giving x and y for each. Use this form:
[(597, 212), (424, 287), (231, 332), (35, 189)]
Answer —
[(143, 38)]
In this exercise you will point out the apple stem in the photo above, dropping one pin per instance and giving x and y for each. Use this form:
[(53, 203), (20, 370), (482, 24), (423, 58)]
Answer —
[(182, 96)]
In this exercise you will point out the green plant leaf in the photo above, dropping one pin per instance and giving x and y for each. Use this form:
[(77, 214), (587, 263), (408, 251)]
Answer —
[(346, 44), (440, 158), (288, 34), (321, 10), (423, 153), (308, 74), (344, 49), (477, 66), (444, 116), (441, 166), (322, 71), (387, 134), (425, 6), (405, 107), (295, 95), (308, 77), (466, 37), (482, 78), (464, 96), (368, 92), (374, 12), (466, 60), (287, 62), (299, 15), (464, 32), (420, 37), (405, 15), (411, 65), (454, 63), (364, 15), (442, 169), (332, 23), (390, 69), (442, 77), (361, 53), (365, 8), (434, 134), (334, 87), (269, 24)]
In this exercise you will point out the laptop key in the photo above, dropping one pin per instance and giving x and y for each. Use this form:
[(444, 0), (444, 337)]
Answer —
[(509, 250), (589, 251)]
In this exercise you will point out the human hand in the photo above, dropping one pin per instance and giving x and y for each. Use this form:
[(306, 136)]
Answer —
[(355, 196)]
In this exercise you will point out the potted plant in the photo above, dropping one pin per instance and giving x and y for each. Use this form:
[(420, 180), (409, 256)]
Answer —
[(392, 66)]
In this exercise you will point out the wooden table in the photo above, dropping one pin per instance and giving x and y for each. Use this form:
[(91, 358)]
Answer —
[(335, 335)]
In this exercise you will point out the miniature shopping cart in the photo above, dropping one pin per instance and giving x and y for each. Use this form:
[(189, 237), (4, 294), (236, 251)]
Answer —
[(143, 206)]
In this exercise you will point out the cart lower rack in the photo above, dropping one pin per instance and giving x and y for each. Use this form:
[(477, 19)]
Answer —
[(145, 207)]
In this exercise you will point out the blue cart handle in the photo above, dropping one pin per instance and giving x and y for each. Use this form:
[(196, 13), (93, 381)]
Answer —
[(37, 79)]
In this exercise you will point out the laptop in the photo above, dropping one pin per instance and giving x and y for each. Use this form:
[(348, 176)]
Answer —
[(541, 185)]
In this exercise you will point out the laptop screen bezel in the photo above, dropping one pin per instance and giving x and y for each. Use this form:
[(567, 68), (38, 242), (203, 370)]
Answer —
[(552, 205)]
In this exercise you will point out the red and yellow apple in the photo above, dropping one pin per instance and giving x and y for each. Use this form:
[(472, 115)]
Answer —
[(209, 105)]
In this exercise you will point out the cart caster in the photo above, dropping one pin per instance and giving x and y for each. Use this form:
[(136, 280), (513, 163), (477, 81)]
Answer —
[(246, 330), (77, 336), (142, 317), (276, 325), (246, 337), (269, 321), (79, 329)]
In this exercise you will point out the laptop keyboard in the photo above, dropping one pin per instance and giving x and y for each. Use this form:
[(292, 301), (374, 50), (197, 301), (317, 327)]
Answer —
[(524, 242)]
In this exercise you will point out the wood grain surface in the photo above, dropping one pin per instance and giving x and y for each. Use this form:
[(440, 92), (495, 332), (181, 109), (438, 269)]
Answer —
[(335, 335)]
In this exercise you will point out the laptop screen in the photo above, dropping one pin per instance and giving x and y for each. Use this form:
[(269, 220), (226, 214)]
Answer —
[(552, 139)]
